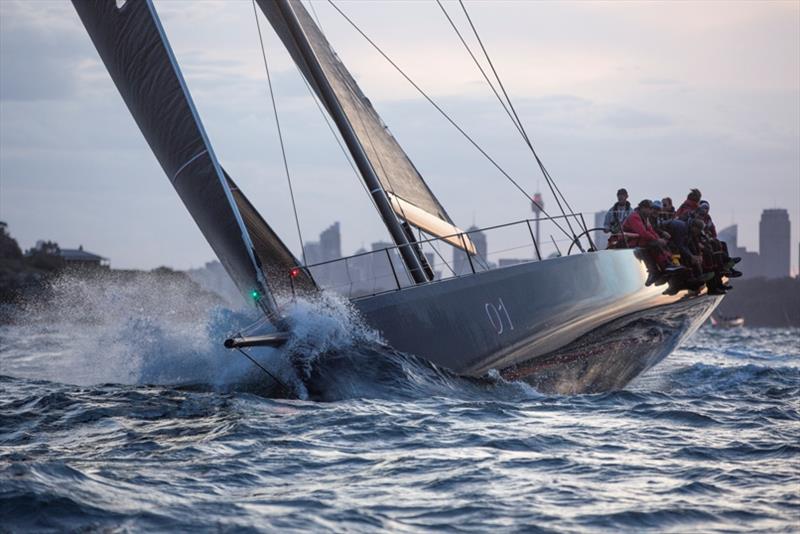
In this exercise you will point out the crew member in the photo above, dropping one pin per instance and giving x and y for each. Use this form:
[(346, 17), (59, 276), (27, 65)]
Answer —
[(667, 209), (657, 257), (616, 216), (690, 204)]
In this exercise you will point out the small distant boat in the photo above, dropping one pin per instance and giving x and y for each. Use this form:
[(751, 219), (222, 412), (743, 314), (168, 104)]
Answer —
[(574, 323), (722, 321)]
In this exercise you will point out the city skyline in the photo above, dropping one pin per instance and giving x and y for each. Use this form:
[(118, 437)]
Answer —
[(774, 223), (74, 168)]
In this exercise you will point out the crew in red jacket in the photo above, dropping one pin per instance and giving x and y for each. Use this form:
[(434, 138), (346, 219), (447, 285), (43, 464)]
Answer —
[(657, 256), (638, 223), (691, 203)]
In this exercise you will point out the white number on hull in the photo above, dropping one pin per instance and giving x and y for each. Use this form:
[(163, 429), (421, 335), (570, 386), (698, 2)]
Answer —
[(498, 316)]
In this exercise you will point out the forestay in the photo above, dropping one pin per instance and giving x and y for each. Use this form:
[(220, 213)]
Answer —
[(138, 57), (397, 174)]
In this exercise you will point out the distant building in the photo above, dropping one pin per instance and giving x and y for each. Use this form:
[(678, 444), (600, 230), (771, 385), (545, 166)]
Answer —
[(329, 246), (730, 234), (774, 243), (71, 257), (461, 263), (599, 237), (383, 273), (751, 263), (77, 257)]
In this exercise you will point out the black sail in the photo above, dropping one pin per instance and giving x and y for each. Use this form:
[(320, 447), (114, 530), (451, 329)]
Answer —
[(410, 196), (137, 55)]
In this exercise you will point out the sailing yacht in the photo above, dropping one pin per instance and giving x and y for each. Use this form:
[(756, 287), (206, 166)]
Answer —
[(574, 323)]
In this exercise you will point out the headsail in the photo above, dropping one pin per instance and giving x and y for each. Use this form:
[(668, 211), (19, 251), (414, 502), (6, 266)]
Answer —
[(273, 257), (139, 59), (397, 175)]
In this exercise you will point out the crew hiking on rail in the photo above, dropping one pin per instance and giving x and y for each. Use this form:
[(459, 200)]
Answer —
[(679, 247)]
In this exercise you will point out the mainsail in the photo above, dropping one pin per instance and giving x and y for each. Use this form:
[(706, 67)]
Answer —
[(138, 57), (410, 197)]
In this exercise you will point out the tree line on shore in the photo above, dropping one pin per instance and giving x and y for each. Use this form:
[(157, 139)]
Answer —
[(31, 275)]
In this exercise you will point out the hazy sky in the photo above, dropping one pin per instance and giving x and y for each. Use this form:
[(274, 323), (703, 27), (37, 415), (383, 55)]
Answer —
[(656, 97)]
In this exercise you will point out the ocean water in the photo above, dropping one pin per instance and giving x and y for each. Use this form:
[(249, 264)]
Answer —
[(120, 411)]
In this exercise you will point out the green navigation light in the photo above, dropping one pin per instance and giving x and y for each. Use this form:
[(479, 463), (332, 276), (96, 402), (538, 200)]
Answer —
[(255, 295)]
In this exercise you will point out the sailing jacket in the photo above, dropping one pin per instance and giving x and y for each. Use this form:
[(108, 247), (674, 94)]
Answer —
[(710, 229), (679, 237), (686, 209), (616, 216), (635, 224)]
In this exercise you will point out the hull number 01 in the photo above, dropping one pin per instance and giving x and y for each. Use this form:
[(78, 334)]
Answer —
[(498, 316)]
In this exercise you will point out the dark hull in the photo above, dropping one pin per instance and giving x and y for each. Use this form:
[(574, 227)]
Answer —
[(576, 324)]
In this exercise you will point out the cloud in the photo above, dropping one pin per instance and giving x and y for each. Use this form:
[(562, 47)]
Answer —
[(40, 55), (631, 118), (654, 80), (611, 96)]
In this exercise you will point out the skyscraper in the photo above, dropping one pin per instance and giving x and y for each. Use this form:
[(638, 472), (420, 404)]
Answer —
[(751, 262), (774, 243), (330, 241), (461, 264), (329, 246)]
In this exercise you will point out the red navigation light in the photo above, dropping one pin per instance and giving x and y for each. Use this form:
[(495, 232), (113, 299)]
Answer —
[(295, 272)]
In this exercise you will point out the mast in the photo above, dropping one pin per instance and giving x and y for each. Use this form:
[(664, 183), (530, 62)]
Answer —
[(382, 202)]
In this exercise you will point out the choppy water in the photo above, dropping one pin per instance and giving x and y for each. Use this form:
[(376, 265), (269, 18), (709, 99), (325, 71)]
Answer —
[(708, 441)]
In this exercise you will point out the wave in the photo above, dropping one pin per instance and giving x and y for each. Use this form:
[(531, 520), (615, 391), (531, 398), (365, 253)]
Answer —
[(145, 330)]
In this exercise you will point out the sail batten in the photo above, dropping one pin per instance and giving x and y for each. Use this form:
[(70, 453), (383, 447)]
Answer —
[(397, 175)]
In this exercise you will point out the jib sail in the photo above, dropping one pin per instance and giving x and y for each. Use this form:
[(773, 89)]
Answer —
[(137, 55)]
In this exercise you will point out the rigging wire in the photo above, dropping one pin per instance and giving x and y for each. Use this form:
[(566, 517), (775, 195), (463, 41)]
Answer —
[(280, 134), (353, 95), (513, 117), (314, 12), (550, 181), (283, 386), (347, 155), (480, 67), (366, 130), (436, 250), (527, 195)]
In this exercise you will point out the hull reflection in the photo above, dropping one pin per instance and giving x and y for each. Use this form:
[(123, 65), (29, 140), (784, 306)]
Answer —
[(611, 356)]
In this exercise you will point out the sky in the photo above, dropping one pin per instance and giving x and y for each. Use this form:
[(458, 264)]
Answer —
[(654, 97)]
